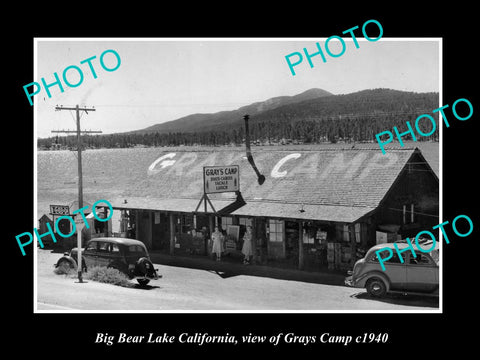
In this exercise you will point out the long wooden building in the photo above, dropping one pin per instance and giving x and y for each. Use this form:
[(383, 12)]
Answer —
[(316, 209)]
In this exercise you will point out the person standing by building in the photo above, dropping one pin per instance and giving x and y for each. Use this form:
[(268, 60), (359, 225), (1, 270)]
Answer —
[(247, 245), (217, 239)]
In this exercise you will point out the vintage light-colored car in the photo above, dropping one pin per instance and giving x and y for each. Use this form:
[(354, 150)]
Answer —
[(415, 275), (126, 255)]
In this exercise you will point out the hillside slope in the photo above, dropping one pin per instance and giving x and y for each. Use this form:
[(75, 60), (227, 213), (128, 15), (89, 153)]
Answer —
[(207, 122), (313, 104), (314, 116)]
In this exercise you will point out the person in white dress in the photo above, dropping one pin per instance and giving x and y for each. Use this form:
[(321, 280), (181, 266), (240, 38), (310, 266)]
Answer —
[(217, 247), (247, 250)]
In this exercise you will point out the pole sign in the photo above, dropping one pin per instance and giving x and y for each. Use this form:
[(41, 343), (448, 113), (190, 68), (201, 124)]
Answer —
[(80, 225), (59, 210), (218, 179)]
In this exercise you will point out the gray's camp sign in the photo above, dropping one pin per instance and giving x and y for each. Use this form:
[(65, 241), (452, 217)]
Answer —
[(218, 179), (313, 165)]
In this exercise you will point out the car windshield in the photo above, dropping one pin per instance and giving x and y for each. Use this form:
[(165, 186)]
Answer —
[(435, 254)]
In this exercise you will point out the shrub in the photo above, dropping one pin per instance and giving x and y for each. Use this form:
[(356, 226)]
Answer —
[(107, 275)]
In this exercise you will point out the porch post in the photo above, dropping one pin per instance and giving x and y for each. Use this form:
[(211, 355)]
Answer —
[(353, 244), (108, 230), (254, 241), (137, 230), (300, 246), (210, 232), (210, 225), (172, 234)]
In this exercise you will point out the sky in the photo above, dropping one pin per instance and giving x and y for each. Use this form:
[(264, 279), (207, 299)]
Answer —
[(163, 79)]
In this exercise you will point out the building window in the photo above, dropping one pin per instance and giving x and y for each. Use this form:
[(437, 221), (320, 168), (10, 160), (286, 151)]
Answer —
[(346, 233), (358, 232), (226, 221), (245, 222), (307, 237), (276, 228), (408, 214)]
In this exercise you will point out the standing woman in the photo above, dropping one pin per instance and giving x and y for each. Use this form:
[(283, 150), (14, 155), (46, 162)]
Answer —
[(247, 245), (217, 247)]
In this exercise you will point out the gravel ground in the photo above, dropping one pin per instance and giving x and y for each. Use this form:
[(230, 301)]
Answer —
[(185, 289)]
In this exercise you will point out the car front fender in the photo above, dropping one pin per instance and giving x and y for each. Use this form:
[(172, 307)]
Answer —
[(362, 280)]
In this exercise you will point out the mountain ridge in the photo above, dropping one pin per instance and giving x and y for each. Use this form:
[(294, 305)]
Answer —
[(204, 121), (314, 116)]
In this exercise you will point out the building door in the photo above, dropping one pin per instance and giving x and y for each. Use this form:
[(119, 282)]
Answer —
[(161, 234), (261, 239), (64, 226), (144, 230), (276, 239)]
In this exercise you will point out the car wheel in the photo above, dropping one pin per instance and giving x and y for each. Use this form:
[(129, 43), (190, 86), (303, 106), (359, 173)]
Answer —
[(144, 267), (143, 282), (376, 287)]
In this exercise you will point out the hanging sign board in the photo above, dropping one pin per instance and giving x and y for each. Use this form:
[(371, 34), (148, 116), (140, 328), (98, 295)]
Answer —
[(218, 179), (59, 210)]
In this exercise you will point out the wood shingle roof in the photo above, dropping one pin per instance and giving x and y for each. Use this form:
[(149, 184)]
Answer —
[(331, 184)]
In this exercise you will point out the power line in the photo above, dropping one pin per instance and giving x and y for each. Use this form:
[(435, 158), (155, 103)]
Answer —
[(415, 212)]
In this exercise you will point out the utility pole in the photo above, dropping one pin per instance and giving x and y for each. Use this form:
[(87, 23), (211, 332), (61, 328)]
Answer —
[(80, 176)]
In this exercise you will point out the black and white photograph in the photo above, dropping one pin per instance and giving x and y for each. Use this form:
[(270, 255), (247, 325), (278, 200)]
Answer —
[(248, 184), (237, 195)]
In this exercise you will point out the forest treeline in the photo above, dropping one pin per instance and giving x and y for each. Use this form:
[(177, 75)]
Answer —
[(269, 132), (356, 117)]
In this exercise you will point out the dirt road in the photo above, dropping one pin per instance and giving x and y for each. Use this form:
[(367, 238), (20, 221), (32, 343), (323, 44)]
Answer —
[(185, 289)]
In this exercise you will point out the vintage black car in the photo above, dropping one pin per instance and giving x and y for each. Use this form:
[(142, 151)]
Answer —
[(126, 255)]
